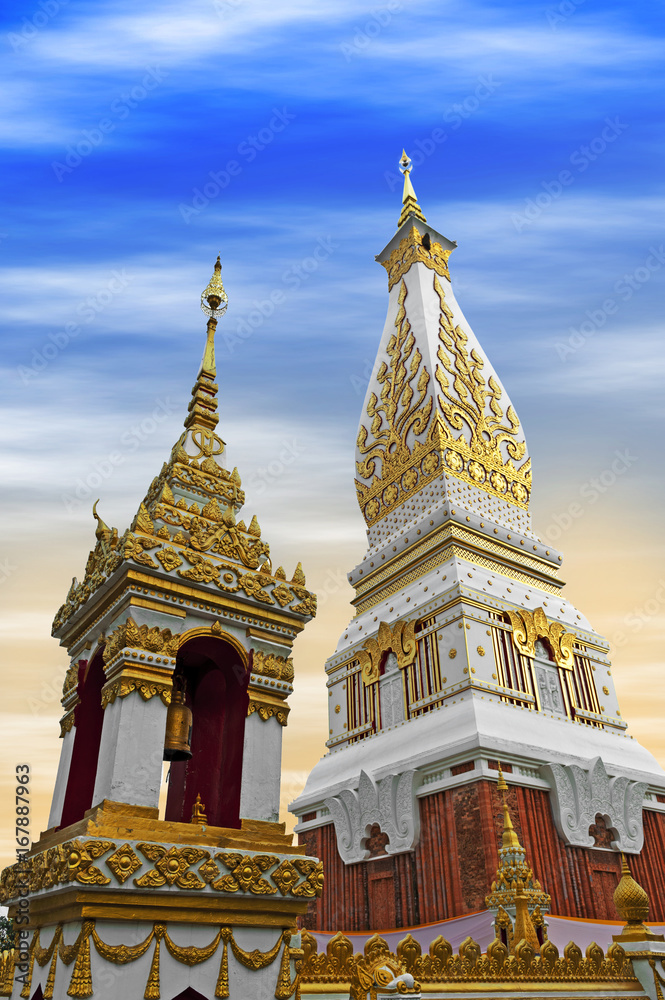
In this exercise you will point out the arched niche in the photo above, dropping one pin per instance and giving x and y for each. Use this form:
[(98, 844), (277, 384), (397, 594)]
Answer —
[(548, 679), (216, 678), (391, 691), (88, 719)]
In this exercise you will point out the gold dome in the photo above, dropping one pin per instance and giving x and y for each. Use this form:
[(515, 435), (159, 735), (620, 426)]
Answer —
[(632, 905), (630, 899)]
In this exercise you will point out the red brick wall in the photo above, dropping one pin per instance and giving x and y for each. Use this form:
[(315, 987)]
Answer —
[(451, 870)]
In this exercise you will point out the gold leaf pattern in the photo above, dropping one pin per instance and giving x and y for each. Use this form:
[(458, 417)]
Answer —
[(246, 873), (171, 866)]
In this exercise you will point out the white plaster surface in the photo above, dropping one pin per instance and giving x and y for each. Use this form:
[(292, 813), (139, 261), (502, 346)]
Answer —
[(499, 729), (61, 778), (129, 768), (261, 769)]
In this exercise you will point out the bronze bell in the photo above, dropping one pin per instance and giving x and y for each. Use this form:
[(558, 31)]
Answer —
[(178, 742)]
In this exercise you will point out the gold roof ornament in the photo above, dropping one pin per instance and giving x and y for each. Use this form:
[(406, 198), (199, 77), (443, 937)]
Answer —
[(203, 404), (514, 878), (214, 300), (632, 905), (410, 204), (509, 839)]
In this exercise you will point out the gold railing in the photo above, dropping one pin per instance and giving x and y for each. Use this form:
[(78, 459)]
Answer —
[(339, 965)]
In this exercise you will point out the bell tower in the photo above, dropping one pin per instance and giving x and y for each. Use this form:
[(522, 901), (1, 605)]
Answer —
[(463, 650), (179, 635)]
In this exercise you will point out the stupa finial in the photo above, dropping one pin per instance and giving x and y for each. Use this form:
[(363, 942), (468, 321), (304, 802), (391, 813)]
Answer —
[(509, 839), (203, 405), (410, 204)]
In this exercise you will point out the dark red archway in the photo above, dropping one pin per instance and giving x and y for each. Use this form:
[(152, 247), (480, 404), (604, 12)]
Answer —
[(217, 681), (88, 719)]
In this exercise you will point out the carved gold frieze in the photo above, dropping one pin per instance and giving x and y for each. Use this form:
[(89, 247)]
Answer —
[(270, 665), (529, 626), (78, 861), (132, 636), (400, 639), (412, 249), (129, 682), (267, 710)]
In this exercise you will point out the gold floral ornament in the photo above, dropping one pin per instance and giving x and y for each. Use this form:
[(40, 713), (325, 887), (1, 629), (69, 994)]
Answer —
[(404, 406), (400, 639), (470, 403), (169, 558), (123, 863), (171, 866), (246, 873), (270, 665), (528, 626), (133, 636), (76, 861)]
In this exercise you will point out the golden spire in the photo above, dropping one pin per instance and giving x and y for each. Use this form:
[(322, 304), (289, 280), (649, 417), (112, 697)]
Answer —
[(203, 404), (410, 204), (632, 905), (509, 839)]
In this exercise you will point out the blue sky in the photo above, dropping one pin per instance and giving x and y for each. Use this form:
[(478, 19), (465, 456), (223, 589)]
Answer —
[(537, 136)]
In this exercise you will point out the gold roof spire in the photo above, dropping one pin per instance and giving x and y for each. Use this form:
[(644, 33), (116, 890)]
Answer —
[(410, 204), (514, 877), (203, 404), (509, 839)]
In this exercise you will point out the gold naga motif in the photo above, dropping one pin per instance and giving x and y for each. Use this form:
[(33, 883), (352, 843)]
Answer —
[(339, 964), (81, 982), (400, 638), (414, 247), (529, 626), (467, 403)]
